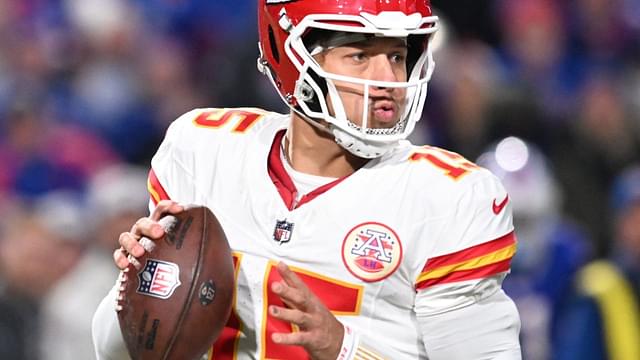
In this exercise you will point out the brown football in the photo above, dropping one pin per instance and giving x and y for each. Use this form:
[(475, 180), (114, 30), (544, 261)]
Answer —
[(176, 305)]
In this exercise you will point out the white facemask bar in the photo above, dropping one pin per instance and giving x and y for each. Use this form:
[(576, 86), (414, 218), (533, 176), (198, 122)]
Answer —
[(416, 85)]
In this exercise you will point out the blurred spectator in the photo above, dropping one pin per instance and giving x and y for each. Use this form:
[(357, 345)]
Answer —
[(473, 19), (168, 83), (50, 225), (535, 54), (602, 140), (40, 156), (601, 30), (109, 86), (18, 310), (468, 85), (116, 198), (63, 216), (101, 20), (604, 319), (551, 248)]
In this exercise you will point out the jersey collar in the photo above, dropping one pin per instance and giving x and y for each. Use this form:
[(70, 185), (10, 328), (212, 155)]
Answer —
[(281, 179)]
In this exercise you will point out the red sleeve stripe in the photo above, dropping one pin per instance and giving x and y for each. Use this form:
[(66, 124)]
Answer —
[(468, 259), (470, 253), (156, 190), (462, 275), (491, 258)]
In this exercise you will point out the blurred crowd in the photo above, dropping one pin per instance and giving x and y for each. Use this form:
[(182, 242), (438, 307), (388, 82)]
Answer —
[(545, 93)]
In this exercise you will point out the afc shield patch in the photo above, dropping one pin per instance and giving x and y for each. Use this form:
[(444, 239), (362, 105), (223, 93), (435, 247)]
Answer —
[(283, 231), (371, 251), (158, 279)]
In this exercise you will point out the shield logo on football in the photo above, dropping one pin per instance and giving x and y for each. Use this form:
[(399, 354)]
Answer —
[(158, 279)]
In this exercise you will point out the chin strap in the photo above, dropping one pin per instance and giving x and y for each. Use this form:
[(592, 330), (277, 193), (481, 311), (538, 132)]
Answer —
[(360, 148)]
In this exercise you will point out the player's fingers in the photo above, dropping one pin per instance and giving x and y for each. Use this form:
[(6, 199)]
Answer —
[(290, 277), (147, 227), (134, 261), (148, 244), (293, 316), (130, 245), (292, 297), (301, 338), (166, 207), (120, 258)]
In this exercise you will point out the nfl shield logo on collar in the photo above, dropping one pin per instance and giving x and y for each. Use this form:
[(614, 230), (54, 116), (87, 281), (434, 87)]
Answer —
[(283, 231)]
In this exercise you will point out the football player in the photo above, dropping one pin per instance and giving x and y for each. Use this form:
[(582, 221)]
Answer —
[(349, 241)]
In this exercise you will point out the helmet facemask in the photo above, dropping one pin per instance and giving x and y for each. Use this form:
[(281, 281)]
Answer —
[(316, 94)]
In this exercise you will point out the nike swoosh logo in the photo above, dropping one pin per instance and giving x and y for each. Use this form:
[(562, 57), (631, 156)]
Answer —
[(497, 208)]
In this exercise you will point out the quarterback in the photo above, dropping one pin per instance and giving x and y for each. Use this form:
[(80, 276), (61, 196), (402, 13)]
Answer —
[(349, 242)]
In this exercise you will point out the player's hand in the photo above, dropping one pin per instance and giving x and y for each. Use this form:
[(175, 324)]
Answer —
[(320, 332), (146, 228)]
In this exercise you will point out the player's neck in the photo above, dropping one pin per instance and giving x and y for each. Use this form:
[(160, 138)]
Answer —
[(312, 151)]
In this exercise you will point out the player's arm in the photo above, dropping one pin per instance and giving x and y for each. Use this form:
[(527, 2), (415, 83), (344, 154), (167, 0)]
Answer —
[(167, 173), (488, 328), (105, 330), (107, 338), (460, 306)]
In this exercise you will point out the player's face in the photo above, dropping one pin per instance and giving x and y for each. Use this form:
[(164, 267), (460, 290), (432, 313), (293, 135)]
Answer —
[(381, 59)]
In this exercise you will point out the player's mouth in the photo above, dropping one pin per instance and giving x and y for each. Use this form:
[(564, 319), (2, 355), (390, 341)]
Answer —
[(386, 112)]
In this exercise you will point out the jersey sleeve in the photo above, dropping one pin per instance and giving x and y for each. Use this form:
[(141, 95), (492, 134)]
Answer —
[(487, 329), (461, 309), (105, 330), (472, 252), (196, 147), (172, 167)]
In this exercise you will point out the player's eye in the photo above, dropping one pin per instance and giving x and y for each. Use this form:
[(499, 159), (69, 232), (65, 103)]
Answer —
[(358, 57), (398, 58)]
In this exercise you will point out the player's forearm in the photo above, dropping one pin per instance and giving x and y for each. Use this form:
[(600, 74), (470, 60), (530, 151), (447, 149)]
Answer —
[(488, 329), (107, 338)]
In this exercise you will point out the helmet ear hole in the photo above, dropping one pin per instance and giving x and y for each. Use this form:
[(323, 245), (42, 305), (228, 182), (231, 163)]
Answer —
[(309, 96), (273, 45)]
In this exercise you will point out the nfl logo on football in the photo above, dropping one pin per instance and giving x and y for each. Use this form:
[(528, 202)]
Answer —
[(283, 231), (159, 279)]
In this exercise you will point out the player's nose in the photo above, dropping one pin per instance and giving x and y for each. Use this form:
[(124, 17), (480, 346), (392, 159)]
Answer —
[(382, 69)]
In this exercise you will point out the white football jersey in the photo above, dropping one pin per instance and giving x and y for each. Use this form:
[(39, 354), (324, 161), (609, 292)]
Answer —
[(419, 220)]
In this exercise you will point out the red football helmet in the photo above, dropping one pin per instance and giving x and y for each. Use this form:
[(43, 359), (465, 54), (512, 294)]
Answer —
[(287, 28)]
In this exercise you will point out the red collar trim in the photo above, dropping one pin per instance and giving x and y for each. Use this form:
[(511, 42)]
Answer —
[(282, 180)]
